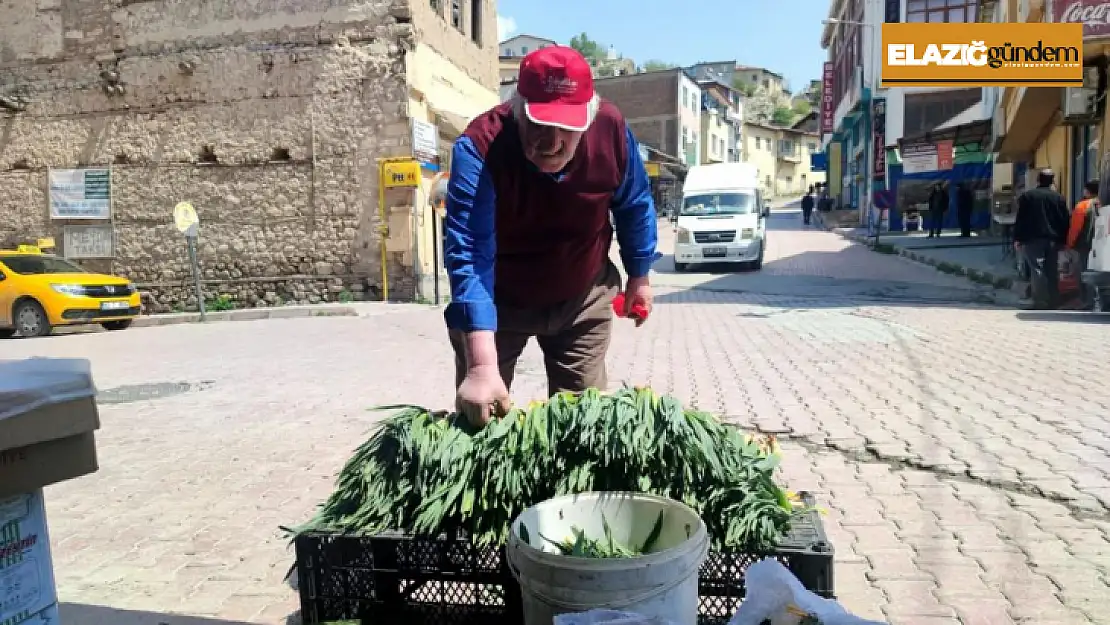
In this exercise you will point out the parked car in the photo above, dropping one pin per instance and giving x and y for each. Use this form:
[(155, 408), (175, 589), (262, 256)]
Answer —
[(39, 292)]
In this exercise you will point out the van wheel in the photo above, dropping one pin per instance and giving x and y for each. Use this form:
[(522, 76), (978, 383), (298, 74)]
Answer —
[(680, 266), (30, 319), (758, 263), (121, 324)]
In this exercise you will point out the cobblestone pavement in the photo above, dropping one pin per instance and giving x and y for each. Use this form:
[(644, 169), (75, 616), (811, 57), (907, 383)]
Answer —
[(961, 450)]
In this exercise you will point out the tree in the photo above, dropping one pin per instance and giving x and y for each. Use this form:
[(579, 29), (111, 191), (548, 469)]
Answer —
[(592, 50), (802, 107), (782, 116), (744, 87), (655, 65)]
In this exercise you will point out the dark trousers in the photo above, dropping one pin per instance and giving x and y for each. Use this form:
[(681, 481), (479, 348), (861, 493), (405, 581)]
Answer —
[(1041, 257), (936, 222), (964, 215), (806, 214)]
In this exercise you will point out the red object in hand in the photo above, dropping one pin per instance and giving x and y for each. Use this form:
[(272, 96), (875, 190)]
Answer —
[(639, 311)]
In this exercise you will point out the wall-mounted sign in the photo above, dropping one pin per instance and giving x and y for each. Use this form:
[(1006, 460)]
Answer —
[(80, 193), (81, 242), (1093, 14), (425, 144), (925, 157), (828, 107), (878, 137), (400, 174), (652, 169)]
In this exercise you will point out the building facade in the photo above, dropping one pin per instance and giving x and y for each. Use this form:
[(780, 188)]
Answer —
[(722, 122), (663, 110), (772, 83), (269, 122), (782, 157), (864, 125), (519, 46), (1064, 129)]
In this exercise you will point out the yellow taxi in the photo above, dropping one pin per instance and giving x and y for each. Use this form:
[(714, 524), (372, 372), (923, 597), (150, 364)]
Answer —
[(40, 291)]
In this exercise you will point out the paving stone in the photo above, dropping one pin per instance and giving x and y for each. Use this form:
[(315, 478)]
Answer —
[(183, 515)]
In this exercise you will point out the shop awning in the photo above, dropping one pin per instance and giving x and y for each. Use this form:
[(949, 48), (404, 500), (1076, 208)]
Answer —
[(977, 132), (1036, 109)]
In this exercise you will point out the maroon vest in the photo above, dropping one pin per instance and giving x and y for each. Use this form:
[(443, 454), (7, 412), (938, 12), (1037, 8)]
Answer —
[(553, 236)]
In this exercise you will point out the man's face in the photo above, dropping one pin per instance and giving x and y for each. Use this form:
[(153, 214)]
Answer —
[(549, 148)]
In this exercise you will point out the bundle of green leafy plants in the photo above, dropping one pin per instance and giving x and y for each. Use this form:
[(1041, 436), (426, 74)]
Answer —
[(580, 545), (429, 473)]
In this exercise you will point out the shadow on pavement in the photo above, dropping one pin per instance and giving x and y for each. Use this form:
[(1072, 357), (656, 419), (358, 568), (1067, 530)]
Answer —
[(814, 279), (1067, 316), (84, 614)]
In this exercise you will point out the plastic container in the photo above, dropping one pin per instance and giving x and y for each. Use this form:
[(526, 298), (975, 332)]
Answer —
[(662, 584)]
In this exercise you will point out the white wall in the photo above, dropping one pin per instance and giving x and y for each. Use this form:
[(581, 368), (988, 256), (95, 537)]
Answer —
[(689, 116)]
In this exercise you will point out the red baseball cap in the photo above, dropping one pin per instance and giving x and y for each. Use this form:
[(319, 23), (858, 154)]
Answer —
[(558, 88)]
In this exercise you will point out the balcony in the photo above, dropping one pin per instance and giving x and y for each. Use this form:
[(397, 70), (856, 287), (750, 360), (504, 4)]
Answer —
[(789, 151)]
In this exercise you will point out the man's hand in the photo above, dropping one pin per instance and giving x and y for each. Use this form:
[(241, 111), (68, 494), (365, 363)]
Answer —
[(482, 395), (637, 291)]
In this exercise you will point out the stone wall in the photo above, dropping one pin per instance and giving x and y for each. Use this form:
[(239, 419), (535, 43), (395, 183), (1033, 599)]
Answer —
[(267, 116)]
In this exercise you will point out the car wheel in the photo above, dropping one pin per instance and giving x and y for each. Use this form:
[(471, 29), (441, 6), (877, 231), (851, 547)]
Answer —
[(30, 319), (680, 266), (758, 264), (7, 333)]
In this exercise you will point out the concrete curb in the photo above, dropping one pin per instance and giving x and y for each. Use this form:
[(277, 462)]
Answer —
[(1003, 286), (247, 314)]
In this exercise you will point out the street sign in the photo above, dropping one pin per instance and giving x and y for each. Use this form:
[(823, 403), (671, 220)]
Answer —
[(187, 222), (185, 219), (400, 174)]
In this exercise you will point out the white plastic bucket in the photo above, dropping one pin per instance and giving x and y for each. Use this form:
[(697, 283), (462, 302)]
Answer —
[(662, 584)]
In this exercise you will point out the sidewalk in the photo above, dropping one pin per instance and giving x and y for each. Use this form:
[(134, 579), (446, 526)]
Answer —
[(982, 259)]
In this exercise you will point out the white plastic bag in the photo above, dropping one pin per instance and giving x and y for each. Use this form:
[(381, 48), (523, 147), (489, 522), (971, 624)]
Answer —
[(609, 617), (775, 595)]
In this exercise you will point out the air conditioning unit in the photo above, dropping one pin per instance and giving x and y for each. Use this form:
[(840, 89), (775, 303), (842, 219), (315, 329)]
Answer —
[(1080, 105)]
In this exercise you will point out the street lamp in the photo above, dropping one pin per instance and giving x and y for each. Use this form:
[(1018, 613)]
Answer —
[(873, 86)]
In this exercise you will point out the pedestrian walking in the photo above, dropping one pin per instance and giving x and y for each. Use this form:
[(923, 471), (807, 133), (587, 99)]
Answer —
[(534, 182), (807, 206), (1080, 238), (1040, 229), (965, 205), (938, 206)]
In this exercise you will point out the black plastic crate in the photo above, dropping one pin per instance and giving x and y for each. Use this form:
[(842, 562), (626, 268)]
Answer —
[(396, 578)]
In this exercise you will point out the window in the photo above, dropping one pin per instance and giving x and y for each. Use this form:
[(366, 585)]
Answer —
[(685, 137), (476, 21), (456, 14), (787, 146), (719, 204), (33, 264), (508, 52), (934, 11), (524, 50), (758, 143), (812, 147), (925, 111), (685, 96), (768, 143)]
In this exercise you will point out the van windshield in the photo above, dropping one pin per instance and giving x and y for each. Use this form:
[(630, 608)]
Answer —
[(718, 204)]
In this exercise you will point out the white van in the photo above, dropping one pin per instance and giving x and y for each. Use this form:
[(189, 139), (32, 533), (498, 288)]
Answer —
[(722, 217)]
